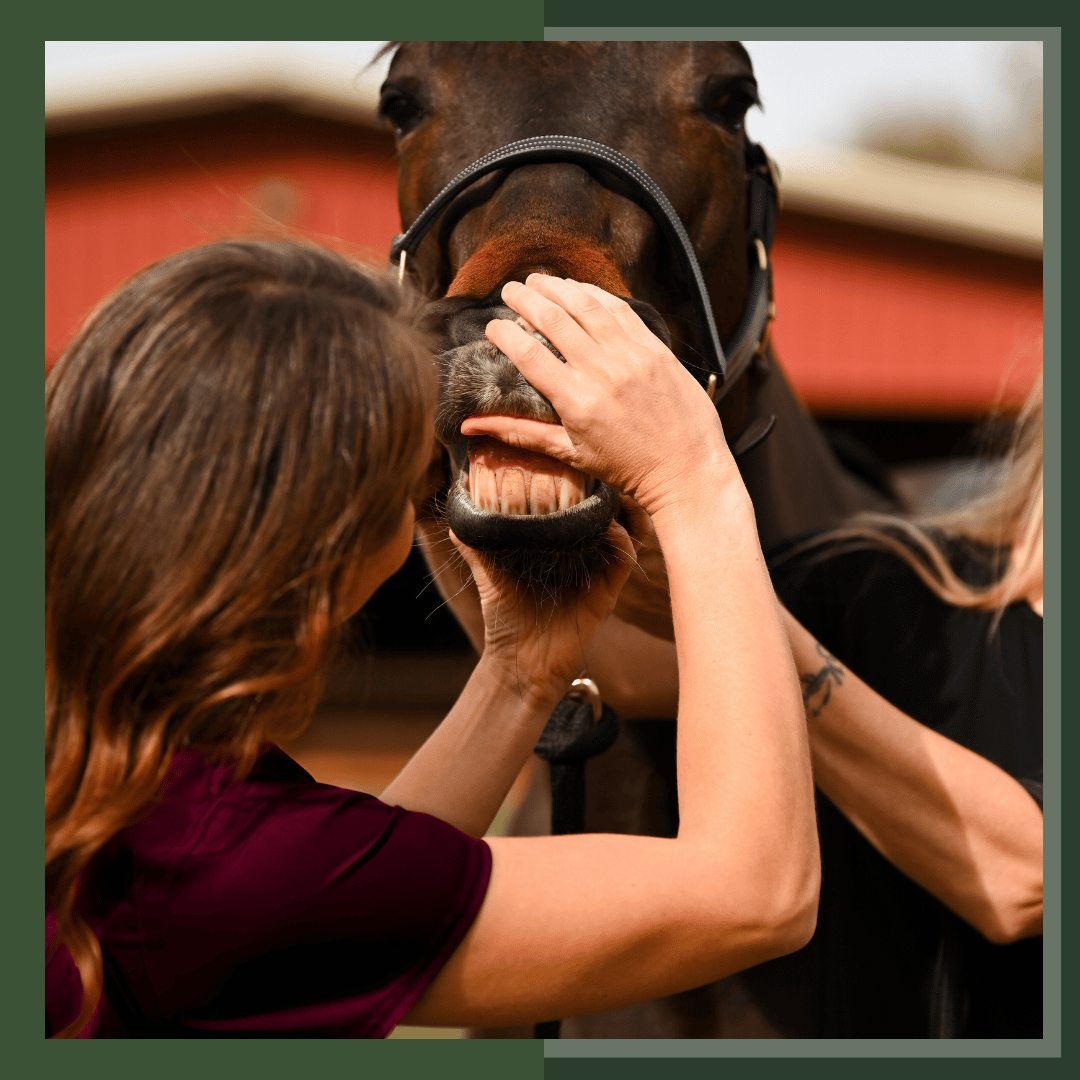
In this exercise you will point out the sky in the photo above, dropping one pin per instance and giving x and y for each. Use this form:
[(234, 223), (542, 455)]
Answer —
[(823, 92), (814, 93)]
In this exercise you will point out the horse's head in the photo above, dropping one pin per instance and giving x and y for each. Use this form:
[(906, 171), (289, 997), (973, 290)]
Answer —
[(675, 109)]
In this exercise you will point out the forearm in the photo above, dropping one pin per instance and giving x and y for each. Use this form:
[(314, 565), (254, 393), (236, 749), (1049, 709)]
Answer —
[(743, 761), (463, 772), (947, 817)]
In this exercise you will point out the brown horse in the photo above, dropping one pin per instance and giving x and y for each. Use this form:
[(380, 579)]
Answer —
[(676, 109)]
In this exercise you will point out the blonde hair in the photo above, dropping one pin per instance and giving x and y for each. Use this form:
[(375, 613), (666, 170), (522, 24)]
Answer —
[(1006, 521)]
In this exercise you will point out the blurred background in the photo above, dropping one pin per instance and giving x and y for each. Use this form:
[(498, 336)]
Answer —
[(908, 257)]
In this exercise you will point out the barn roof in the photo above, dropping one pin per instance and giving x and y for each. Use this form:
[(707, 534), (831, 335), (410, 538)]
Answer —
[(977, 209), (842, 183), (177, 86)]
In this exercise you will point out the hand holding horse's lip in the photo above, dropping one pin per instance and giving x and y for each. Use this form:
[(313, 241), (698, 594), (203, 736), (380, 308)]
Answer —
[(539, 518)]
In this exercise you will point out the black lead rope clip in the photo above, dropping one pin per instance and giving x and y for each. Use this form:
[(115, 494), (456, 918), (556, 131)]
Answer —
[(580, 727)]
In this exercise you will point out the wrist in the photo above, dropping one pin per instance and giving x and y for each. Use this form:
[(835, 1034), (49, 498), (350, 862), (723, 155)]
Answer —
[(712, 487), (537, 691)]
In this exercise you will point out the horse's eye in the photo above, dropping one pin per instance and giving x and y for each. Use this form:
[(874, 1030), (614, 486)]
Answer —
[(727, 105), (402, 111)]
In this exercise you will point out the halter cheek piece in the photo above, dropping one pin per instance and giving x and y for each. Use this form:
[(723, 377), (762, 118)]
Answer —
[(726, 363)]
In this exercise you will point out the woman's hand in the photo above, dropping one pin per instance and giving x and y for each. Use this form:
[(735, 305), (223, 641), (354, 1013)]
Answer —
[(632, 415), (533, 648), (542, 642)]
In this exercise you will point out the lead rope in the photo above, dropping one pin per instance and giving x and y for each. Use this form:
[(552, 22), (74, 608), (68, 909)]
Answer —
[(580, 727)]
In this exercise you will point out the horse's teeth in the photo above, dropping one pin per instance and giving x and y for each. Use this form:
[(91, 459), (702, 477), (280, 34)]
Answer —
[(520, 491), (543, 499), (482, 487), (512, 493), (569, 493)]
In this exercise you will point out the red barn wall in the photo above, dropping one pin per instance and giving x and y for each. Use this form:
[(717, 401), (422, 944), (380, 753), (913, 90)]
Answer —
[(870, 322), (118, 199)]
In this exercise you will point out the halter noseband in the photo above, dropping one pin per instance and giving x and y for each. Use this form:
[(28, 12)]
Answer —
[(725, 364)]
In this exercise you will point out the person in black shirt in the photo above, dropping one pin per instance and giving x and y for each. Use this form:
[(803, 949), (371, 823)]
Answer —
[(919, 647)]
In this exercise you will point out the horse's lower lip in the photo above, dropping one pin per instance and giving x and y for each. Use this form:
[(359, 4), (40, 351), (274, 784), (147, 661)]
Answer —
[(574, 527)]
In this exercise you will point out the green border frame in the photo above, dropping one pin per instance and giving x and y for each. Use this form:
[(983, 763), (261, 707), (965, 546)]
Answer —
[(22, 987)]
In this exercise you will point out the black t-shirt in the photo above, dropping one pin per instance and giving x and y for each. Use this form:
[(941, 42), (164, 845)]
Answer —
[(888, 959)]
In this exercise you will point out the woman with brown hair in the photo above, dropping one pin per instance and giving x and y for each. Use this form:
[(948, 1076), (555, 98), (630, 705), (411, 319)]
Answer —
[(233, 443)]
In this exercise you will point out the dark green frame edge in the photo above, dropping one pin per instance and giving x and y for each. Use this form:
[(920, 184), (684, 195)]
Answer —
[(23, 985)]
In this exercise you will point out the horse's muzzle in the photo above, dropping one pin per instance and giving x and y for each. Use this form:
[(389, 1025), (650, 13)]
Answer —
[(534, 516)]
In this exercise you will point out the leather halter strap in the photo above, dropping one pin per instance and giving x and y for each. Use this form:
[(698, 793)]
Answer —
[(725, 364)]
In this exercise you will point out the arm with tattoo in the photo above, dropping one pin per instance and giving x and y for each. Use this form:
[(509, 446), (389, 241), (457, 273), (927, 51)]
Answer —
[(948, 818), (817, 687)]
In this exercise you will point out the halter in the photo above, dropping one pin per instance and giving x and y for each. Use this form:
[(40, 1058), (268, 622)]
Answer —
[(723, 365)]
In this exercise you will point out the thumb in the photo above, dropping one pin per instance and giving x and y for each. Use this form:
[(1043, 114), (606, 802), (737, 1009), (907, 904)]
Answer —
[(550, 439), (624, 550)]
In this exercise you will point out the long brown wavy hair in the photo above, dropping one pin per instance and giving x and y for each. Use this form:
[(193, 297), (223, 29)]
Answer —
[(230, 433)]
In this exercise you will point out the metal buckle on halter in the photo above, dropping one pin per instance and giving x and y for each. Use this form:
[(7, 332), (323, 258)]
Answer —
[(763, 342), (584, 689)]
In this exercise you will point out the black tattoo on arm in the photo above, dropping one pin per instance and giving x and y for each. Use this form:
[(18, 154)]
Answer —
[(819, 685)]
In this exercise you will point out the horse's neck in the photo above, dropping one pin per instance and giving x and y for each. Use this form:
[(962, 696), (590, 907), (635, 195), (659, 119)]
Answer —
[(793, 477)]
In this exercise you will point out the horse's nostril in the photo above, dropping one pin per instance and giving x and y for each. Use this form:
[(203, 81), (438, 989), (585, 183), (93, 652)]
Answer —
[(651, 318)]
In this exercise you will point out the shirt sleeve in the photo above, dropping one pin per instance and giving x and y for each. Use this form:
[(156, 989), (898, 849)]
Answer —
[(307, 910)]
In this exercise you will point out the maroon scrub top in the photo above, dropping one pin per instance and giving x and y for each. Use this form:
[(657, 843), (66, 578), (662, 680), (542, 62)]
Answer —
[(268, 907)]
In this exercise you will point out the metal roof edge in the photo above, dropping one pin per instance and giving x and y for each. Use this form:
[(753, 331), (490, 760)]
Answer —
[(982, 210), (175, 92)]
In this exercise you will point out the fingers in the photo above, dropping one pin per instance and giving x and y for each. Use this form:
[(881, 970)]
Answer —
[(482, 575), (624, 545), (623, 313), (570, 318), (535, 435), (539, 366), (639, 523), (605, 323)]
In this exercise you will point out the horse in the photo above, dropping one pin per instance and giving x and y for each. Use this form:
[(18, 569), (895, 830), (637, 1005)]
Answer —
[(676, 111)]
